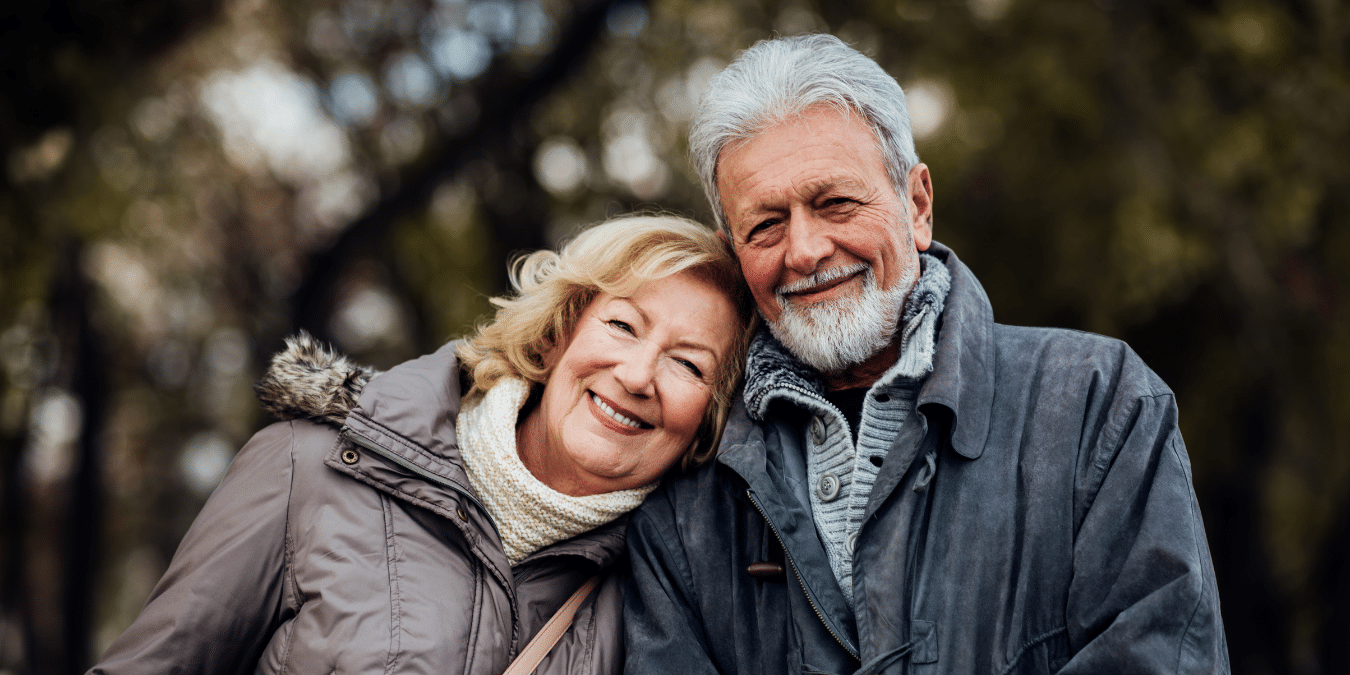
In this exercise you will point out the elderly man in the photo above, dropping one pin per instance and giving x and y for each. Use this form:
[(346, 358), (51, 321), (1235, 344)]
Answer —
[(905, 486)]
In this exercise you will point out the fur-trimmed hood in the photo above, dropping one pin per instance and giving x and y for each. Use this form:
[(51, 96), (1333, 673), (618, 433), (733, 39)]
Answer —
[(310, 380)]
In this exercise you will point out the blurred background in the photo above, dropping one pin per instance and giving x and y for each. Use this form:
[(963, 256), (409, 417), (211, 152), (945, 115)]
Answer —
[(184, 183)]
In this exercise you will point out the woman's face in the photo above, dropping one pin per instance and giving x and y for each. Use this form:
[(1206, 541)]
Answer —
[(628, 391)]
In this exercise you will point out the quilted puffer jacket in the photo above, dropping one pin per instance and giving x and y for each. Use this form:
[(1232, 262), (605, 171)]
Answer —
[(348, 539)]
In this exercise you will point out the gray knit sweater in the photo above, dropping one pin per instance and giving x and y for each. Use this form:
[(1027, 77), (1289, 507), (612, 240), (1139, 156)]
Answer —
[(842, 473)]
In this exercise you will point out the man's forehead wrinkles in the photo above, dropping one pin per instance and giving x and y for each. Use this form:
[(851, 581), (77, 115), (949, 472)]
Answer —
[(816, 186)]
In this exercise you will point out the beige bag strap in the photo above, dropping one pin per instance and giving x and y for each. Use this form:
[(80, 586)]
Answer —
[(552, 631)]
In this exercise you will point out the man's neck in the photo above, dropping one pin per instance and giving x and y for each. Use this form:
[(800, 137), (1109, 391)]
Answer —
[(865, 374)]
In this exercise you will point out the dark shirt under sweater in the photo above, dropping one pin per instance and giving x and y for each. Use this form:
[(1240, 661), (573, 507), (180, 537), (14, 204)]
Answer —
[(849, 402)]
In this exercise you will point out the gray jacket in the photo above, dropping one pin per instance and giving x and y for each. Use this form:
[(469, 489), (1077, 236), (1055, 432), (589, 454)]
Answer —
[(1054, 530), (365, 550)]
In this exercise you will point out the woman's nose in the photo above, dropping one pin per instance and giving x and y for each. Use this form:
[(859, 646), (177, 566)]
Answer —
[(636, 371)]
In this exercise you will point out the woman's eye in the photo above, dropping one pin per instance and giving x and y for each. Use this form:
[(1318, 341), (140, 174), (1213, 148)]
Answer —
[(690, 365), (621, 325)]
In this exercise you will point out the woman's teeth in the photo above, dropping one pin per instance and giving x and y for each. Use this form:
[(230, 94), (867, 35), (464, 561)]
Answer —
[(616, 416)]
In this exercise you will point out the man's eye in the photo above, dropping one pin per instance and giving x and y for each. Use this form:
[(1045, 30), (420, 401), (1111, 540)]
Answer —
[(760, 230)]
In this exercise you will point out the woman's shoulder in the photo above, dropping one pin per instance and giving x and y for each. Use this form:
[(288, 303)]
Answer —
[(309, 380)]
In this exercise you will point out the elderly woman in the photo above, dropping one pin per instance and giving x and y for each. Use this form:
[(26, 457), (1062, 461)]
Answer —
[(432, 518)]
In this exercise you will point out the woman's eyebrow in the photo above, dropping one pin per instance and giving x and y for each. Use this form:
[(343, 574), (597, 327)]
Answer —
[(685, 341), (636, 307)]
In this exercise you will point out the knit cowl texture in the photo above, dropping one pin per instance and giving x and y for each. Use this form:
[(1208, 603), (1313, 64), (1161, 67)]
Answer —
[(529, 514)]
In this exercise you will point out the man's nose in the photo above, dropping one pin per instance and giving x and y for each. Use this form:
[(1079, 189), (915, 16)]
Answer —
[(808, 243), (635, 370)]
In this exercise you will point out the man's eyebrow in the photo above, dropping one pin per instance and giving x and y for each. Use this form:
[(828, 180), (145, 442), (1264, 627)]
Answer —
[(817, 187), (811, 188)]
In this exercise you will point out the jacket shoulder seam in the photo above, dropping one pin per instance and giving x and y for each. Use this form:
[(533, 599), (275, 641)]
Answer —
[(1200, 597), (289, 548), (1113, 431)]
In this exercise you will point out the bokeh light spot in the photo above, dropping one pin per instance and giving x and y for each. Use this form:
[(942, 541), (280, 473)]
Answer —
[(930, 104), (560, 165)]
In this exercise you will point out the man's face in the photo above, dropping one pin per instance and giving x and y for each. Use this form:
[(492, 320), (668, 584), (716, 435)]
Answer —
[(813, 218)]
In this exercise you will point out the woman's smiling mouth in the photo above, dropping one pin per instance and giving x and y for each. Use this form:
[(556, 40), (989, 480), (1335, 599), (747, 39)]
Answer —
[(616, 415)]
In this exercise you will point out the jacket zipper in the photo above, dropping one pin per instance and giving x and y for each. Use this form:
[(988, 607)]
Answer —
[(380, 450), (810, 600), (356, 438)]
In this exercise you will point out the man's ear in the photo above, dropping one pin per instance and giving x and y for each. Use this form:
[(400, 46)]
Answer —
[(920, 194)]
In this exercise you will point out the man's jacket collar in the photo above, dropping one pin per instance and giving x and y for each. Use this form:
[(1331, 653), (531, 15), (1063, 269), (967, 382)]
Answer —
[(962, 380)]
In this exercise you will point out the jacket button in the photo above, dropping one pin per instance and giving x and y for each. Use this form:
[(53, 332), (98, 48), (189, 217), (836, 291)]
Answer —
[(851, 544), (350, 456), (827, 488), (462, 515), (817, 431)]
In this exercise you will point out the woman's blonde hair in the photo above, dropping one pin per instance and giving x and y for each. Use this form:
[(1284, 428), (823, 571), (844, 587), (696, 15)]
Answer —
[(552, 289)]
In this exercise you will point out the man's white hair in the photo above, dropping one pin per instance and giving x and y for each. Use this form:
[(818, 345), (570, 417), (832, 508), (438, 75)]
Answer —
[(775, 81)]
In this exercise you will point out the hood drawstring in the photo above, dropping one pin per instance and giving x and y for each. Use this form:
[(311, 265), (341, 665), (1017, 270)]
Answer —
[(926, 472)]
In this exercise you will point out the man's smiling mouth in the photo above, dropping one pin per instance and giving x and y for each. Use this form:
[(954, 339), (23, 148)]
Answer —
[(616, 415), (820, 281)]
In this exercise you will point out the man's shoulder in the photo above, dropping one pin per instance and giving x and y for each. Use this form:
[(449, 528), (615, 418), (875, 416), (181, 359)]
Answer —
[(694, 484), (1068, 355)]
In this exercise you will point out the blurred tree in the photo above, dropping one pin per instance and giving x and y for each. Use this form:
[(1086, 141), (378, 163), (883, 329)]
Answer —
[(185, 183)]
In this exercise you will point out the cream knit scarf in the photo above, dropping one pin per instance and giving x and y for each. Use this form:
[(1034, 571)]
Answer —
[(529, 514)]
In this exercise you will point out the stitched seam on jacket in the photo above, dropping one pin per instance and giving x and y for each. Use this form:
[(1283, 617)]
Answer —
[(589, 657), (1036, 641), (395, 599), (429, 460), (1113, 430), (475, 620), (1181, 644), (1200, 599), (289, 574)]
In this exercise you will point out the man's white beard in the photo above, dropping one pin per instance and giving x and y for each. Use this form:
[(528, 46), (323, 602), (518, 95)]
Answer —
[(833, 335)]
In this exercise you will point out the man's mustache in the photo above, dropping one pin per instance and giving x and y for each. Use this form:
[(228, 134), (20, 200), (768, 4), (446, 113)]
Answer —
[(819, 279)]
